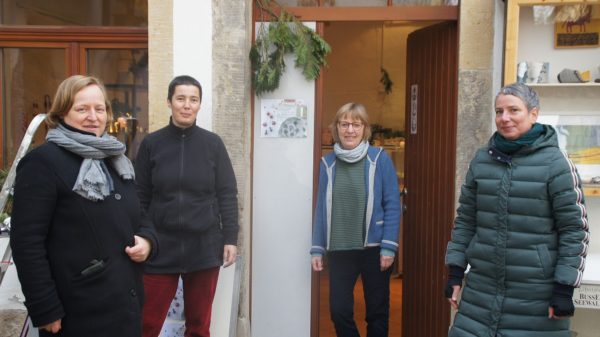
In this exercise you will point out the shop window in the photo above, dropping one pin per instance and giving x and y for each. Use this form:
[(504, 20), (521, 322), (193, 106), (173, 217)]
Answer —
[(40, 46), (30, 77), (129, 13), (126, 81)]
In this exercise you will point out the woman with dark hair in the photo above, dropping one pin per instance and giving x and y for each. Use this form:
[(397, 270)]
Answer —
[(77, 236), (188, 190), (521, 227), (357, 223)]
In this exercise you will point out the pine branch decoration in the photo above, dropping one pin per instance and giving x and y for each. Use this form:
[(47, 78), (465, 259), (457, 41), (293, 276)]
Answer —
[(285, 34)]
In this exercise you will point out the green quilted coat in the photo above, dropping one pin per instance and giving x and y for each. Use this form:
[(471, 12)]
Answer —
[(521, 226)]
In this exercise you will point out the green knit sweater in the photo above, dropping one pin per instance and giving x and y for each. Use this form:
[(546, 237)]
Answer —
[(348, 206)]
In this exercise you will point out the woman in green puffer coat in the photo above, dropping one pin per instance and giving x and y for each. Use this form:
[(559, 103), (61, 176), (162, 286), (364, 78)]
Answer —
[(521, 227)]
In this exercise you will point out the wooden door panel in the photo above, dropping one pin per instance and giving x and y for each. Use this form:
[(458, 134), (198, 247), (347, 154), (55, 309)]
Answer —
[(429, 178)]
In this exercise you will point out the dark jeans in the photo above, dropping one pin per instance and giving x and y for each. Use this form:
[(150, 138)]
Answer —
[(344, 268)]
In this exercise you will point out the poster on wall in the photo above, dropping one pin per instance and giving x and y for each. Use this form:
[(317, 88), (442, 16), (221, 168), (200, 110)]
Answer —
[(579, 136), (283, 118)]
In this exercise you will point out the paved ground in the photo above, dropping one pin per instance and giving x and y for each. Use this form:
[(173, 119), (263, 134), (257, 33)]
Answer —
[(11, 322)]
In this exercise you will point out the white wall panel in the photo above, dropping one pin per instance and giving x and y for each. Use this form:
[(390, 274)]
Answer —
[(192, 50), (282, 217)]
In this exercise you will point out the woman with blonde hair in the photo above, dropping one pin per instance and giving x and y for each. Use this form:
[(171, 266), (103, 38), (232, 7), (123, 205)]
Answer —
[(357, 222), (77, 236)]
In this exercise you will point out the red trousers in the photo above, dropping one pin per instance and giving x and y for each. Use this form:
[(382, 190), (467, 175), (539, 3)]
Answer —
[(198, 294)]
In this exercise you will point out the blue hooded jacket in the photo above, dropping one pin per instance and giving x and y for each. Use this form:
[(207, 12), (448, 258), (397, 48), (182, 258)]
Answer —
[(383, 211)]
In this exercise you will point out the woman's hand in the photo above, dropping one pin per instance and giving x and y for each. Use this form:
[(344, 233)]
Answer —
[(552, 314), (140, 251), (385, 262), (229, 254), (53, 327), (317, 263), (454, 299)]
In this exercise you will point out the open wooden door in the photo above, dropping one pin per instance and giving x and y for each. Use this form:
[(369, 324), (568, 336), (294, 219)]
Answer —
[(429, 176)]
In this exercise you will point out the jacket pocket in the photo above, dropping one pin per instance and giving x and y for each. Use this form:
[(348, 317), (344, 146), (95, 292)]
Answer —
[(92, 272), (469, 250), (545, 259)]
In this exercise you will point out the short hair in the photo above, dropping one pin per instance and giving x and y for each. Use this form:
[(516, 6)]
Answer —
[(65, 97), (183, 80), (354, 111), (523, 92)]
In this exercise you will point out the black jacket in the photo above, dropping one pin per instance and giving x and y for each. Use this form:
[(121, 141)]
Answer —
[(188, 190), (56, 233)]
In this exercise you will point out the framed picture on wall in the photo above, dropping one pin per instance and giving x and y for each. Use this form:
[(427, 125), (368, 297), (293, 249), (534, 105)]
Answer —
[(581, 33), (579, 136)]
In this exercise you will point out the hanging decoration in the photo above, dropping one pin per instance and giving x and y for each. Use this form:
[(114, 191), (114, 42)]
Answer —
[(284, 34), (385, 79)]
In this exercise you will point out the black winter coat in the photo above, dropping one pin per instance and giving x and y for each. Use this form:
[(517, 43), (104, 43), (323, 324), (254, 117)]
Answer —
[(188, 190), (56, 233)]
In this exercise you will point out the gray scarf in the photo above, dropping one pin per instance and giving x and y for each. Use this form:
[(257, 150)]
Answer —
[(351, 156), (93, 181)]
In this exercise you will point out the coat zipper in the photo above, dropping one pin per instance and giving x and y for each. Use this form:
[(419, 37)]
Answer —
[(179, 202)]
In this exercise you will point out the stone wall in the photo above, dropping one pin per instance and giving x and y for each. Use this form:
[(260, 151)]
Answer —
[(160, 61), (232, 34), (475, 82)]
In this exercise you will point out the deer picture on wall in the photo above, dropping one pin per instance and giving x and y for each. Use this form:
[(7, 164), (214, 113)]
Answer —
[(579, 22)]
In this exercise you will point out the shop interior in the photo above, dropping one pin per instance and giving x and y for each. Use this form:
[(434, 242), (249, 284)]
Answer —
[(367, 65)]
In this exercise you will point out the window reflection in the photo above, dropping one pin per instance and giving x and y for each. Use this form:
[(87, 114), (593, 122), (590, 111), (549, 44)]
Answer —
[(30, 78), (125, 76), (132, 13)]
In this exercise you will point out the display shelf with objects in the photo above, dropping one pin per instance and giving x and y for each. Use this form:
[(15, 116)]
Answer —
[(572, 108), (531, 40)]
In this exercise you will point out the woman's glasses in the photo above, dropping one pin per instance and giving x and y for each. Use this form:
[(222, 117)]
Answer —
[(346, 125)]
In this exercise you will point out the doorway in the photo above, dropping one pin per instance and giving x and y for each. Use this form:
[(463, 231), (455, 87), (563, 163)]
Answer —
[(368, 65), (421, 316)]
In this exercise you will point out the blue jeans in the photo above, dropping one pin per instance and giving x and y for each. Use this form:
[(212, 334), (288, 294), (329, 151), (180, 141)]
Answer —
[(344, 269)]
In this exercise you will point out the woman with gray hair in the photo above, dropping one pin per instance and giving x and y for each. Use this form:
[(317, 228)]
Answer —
[(521, 227), (357, 222)]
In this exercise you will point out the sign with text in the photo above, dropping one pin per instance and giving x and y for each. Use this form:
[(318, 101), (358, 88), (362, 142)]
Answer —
[(587, 296), (414, 97)]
